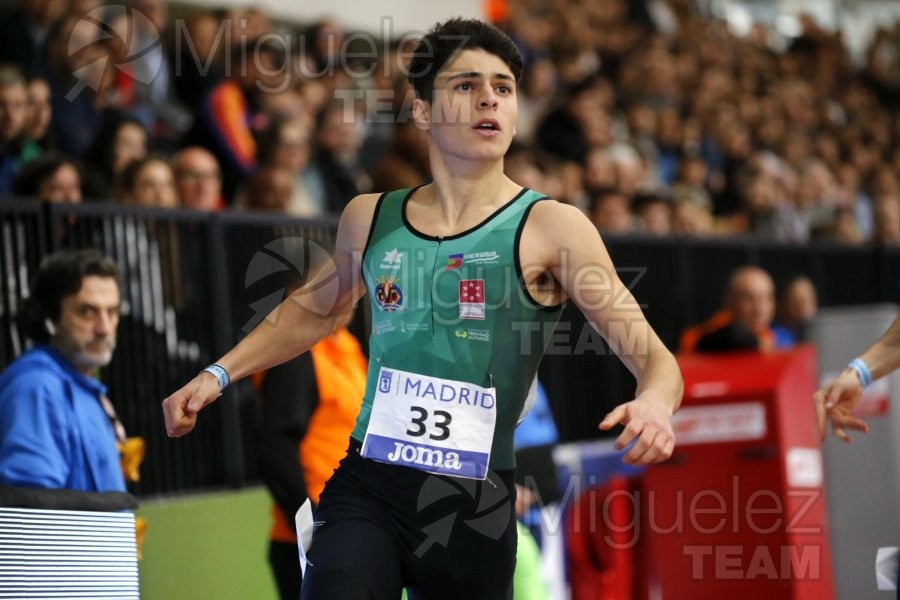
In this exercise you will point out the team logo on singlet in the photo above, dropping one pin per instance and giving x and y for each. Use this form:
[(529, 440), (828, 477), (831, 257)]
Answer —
[(388, 294), (454, 261), (471, 299)]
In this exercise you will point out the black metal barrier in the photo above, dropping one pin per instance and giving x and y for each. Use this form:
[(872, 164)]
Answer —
[(261, 258), (679, 282), (22, 243), (194, 283)]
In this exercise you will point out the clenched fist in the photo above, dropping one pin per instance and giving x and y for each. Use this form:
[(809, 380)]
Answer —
[(181, 408)]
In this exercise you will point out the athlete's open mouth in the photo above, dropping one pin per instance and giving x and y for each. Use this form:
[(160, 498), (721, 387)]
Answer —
[(487, 125)]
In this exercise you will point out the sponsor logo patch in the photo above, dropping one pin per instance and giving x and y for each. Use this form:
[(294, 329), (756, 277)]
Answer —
[(471, 299), (391, 259), (454, 261), (489, 257), (473, 335)]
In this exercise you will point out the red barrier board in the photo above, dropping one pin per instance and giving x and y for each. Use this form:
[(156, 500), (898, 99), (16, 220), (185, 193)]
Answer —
[(739, 511)]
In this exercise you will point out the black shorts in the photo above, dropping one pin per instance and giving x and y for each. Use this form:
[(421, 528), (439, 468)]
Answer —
[(381, 528)]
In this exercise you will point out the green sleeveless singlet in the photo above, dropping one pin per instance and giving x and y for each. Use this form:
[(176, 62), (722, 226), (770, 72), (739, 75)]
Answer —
[(452, 309)]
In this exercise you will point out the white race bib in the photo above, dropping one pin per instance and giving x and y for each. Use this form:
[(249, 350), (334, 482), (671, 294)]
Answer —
[(435, 425)]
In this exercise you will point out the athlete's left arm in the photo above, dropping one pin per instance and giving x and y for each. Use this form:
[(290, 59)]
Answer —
[(561, 238)]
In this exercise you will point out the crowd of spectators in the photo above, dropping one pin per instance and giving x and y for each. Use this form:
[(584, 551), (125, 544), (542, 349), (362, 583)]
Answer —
[(654, 118)]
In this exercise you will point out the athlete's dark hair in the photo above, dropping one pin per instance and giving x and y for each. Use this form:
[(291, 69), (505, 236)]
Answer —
[(60, 275), (447, 39)]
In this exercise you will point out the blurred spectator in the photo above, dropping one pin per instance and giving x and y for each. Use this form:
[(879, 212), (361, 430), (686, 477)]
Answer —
[(405, 164), (610, 212), (15, 148), (690, 182), (851, 197), (84, 82), (315, 95), (230, 115), (654, 214), (692, 220), (155, 103), (842, 228), (599, 170), (120, 141), (540, 83), (387, 108), (198, 57), (324, 43), (286, 144), (737, 150), (148, 61), (885, 181), (335, 174), (198, 179), (632, 173), (50, 177), (769, 215), (519, 164), (573, 192), (57, 428), (566, 131), (887, 220), (744, 323), (147, 182), (641, 120), (40, 113), (883, 61), (816, 196), (24, 32), (250, 23), (269, 189), (668, 136), (286, 105), (797, 306)]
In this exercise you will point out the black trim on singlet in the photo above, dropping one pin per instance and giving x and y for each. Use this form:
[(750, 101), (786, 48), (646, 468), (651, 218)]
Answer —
[(362, 260), (518, 261), (433, 238)]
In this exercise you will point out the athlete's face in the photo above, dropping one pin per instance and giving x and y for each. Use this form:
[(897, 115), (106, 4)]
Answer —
[(472, 115)]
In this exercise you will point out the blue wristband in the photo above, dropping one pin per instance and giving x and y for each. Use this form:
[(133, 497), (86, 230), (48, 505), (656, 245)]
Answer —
[(219, 373), (862, 369)]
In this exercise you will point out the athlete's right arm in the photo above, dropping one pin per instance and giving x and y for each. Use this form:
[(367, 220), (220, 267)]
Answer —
[(305, 317)]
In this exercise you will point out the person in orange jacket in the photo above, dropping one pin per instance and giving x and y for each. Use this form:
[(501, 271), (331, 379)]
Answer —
[(745, 321), (308, 407)]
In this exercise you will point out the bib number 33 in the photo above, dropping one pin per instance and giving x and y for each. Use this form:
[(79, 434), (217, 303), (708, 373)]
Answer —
[(441, 422), (435, 425)]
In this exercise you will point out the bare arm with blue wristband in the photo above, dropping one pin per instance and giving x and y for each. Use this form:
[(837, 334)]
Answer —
[(221, 375), (308, 315), (837, 399)]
